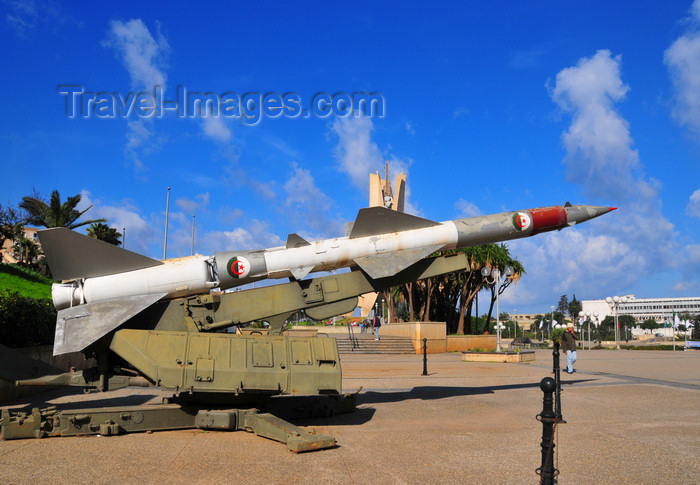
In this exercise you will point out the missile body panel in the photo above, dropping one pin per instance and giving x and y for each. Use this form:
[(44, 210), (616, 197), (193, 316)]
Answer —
[(384, 242), (110, 285)]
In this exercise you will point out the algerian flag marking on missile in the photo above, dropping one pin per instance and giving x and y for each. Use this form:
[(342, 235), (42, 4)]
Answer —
[(521, 221), (238, 267)]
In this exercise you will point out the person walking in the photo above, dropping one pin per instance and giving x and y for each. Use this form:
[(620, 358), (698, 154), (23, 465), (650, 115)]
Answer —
[(376, 324), (568, 346)]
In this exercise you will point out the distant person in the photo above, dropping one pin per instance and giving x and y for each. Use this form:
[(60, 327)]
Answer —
[(568, 346), (376, 324)]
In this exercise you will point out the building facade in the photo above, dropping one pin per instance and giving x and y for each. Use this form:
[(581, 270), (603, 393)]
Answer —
[(659, 309)]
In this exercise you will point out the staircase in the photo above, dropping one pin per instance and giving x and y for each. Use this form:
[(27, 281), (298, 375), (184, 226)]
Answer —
[(367, 345)]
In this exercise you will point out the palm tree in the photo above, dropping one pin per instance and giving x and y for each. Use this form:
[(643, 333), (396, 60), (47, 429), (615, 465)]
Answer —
[(55, 213), (103, 232)]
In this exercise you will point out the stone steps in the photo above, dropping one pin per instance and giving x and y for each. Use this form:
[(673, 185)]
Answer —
[(367, 345)]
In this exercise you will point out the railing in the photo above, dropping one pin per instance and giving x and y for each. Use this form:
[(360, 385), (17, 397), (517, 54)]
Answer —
[(351, 334)]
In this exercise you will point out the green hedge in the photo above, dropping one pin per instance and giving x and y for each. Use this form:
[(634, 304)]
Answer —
[(25, 322)]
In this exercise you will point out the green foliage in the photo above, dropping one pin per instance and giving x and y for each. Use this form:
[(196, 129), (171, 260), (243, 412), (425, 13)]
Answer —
[(9, 223), (649, 324), (55, 213), (25, 282), (25, 321), (103, 232), (574, 307), (557, 334), (648, 347), (563, 306)]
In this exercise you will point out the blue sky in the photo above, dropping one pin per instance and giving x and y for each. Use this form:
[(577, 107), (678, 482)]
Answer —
[(487, 107)]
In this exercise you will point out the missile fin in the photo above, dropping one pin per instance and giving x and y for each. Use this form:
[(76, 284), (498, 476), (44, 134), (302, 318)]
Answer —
[(79, 326), (296, 241), (388, 264), (373, 221), (301, 271), (332, 309), (71, 255)]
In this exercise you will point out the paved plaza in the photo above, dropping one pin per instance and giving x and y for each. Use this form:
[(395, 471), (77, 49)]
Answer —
[(632, 417)]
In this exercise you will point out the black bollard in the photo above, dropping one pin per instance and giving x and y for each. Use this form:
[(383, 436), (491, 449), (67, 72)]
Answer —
[(557, 378), (546, 471), (425, 356)]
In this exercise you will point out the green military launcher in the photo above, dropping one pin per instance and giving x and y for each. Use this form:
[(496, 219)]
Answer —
[(219, 380)]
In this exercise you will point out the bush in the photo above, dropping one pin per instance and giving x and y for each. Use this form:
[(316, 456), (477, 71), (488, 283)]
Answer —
[(25, 322)]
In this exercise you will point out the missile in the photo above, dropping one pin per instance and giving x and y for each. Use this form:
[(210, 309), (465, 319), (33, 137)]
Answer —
[(382, 242)]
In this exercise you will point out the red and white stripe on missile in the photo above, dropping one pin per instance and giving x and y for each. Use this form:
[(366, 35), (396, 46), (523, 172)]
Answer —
[(382, 242)]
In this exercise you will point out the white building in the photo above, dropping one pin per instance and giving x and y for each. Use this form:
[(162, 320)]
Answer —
[(659, 309)]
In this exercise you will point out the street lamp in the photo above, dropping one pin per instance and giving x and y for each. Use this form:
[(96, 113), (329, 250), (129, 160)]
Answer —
[(588, 316), (495, 275), (551, 323), (614, 304)]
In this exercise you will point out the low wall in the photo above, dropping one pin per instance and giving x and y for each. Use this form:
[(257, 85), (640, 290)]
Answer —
[(434, 332), (45, 354), (511, 357), (462, 343)]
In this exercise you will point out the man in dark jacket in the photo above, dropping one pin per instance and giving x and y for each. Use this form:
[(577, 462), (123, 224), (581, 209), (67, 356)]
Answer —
[(568, 346)]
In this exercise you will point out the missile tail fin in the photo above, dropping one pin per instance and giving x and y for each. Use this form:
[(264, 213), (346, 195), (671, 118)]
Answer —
[(71, 255), (373, 221), (296, 241), (79, 326), (388, 264)]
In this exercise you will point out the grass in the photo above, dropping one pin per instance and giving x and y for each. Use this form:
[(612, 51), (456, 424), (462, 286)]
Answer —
[(653, 347), (24, 281)]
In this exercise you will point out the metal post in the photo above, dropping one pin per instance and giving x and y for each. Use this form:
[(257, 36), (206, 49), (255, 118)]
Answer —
[(589, 333), (123, 237), (497, 282), (425, 356), (167, 209), (556, 368), (546, 471), (192, 252)]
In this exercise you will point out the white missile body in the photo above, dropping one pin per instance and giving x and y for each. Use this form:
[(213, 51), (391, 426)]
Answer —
[(382, 243)]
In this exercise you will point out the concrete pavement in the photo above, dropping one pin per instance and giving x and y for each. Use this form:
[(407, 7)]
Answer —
[(632, 417)]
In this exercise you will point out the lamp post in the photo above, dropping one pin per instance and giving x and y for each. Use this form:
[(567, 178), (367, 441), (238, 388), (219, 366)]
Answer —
[(588, 316), (551, 323), (614, 304), (495, 279)]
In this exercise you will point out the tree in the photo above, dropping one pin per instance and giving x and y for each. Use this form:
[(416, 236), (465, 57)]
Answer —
[(103, 232), (574, 307), (563, 306), (649, 324), (10, 220), (55, 213), (500, 258)]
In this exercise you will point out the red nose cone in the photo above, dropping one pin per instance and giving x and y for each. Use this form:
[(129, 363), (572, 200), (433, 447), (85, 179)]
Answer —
[(610, 209)]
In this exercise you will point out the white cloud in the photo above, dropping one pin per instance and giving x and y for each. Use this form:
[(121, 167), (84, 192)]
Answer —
[(609, 254), (255, 235), (467, 209), (216, 128), (683, 61), (140, 232), (600, 154), (309, 205), (143, 57), (142, 54), (693, 207), (357, 154), (190, 206)]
